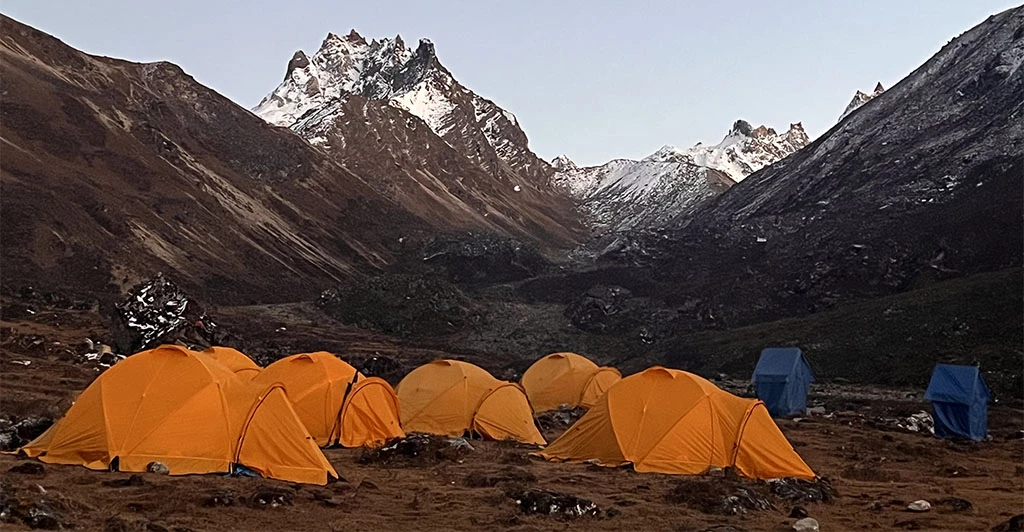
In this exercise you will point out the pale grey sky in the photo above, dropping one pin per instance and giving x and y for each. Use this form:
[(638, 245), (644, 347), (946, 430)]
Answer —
[(592, 79)]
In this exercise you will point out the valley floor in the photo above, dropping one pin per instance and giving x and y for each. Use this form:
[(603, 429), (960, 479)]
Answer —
[(876, 469)]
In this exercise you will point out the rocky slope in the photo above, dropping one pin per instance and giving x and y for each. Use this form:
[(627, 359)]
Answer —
[(922, 183), (625, 194), (919, 187), (314, 89), (860, 99), (113, 171)]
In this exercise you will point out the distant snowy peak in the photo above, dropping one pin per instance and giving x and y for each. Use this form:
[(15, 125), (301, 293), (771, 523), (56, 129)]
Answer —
[(860, 99), (626, 194), (563, 163), (743, 151), (414, 80)]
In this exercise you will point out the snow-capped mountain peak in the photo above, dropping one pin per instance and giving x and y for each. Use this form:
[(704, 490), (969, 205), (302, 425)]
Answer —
[(563, 163), (314, 88)]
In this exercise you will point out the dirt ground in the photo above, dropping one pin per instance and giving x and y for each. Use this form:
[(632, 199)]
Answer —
[(874, 468)]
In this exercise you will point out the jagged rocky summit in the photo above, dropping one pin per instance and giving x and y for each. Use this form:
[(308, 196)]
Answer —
[(311, 99)]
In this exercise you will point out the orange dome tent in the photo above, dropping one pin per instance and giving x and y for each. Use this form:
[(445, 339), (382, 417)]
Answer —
[(234, 360), (566, 379), (337, 404), (183, 409), (450, 397), (599, 383), (670, 421)]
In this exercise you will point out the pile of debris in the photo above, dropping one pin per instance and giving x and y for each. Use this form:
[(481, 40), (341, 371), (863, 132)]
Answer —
[(722, 496), (418, 449), (800, 490), (101, 354), (34, 510), (920, 422), (544, 502), (559, 419), (157, 312)]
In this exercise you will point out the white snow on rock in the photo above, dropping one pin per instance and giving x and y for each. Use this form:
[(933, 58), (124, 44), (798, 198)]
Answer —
[(626, 194), (307, 101)]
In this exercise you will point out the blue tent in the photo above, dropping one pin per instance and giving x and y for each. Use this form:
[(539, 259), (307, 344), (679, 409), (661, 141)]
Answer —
[(782, 378), (959, 402)]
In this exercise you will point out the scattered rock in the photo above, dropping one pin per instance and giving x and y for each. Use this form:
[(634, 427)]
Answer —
[(807, 524), (798, 512), (598, 308), (219, 498), (116, 523), (545, 502), (271, 497), (507, 475), (401, 304), (132, 481), (919, 422), (28, 468), (159, 468), (326, 498), (870, 472), (559, 419), (1013, 524), (745, 499), (955, 504), (42, 516), (719, 496), (919, 506), (418, 449), (795, 489), (16, 433)]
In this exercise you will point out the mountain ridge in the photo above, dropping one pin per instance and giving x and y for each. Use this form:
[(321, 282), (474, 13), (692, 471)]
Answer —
[(628, 194)]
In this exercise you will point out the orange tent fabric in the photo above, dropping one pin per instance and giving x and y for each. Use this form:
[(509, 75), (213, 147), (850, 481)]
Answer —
[(450, 397), (369, 415), (598, 385), (327, 394), (234, 360), (183, 409), (566, 379), (670, 421)]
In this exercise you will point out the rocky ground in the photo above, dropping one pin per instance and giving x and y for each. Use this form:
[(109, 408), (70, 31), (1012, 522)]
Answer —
[(859, 439)]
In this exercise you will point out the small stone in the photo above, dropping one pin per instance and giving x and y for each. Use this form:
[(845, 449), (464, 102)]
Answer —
[(28, 468), (807, 524), (1013, 524), (159, 468), (798, 512), (919, 506)]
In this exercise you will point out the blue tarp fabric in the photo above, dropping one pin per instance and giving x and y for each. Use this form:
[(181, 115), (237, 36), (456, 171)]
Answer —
[(959, 399), (782, 379)]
